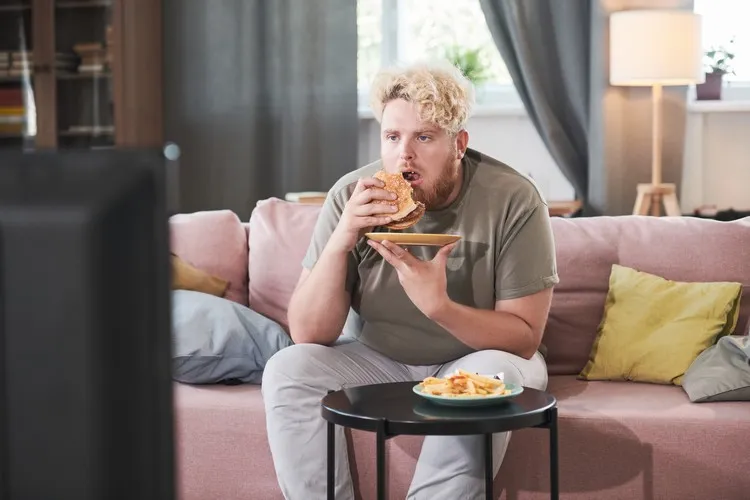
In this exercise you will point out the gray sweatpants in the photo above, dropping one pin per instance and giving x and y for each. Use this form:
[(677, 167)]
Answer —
[(296, 379)]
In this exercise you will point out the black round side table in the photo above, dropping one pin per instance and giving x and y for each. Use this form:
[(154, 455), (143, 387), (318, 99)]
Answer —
[(393, 409)]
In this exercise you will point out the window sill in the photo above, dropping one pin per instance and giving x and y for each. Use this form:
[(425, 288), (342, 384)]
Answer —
[(495, 100), (721, 106), (499, 110), (480, 111)]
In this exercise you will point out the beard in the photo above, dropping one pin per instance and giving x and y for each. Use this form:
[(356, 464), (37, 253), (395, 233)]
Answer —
[(436, 194)]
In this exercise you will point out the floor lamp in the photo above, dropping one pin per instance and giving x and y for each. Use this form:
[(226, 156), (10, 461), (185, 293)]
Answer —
[(655, 48)]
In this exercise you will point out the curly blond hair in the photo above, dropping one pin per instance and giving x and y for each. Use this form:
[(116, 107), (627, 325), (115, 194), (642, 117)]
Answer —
[(443, 95)]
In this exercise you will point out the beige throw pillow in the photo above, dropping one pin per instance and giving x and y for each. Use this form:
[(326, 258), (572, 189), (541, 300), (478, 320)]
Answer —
[(188, 277)]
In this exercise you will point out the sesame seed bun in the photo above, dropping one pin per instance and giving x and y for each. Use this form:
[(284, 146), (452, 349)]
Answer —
[(409, 211)]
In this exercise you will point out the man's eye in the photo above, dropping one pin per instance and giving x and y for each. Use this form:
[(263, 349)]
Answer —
[(390, 138), (423, 138)]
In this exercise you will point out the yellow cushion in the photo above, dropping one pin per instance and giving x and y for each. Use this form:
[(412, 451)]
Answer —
[(188, 277), (654, 328)]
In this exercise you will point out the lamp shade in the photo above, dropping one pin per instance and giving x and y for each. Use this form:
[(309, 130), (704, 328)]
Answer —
[(650, 47)]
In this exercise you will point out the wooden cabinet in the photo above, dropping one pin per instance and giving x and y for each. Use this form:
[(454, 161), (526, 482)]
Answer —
[(80, 74)]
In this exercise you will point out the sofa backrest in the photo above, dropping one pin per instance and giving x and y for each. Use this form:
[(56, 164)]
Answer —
[(676, 248), (216, 242), (280, 232)]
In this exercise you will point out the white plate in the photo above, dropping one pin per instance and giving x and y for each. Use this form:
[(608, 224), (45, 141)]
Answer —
[(466, 401), (424, 239)]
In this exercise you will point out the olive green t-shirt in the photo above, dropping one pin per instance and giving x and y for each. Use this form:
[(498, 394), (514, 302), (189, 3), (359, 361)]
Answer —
[(506, 251)]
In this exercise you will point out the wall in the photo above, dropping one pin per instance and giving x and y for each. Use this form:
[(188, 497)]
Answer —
[(211, 118), (717, 156), (715, 169), (620, 135), (505, 134), (620, 123)]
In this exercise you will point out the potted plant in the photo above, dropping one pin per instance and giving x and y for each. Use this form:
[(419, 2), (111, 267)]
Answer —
[(718, 61), (471, 63)]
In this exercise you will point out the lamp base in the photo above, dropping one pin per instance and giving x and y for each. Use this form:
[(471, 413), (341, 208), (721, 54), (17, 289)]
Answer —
[(651, 196)]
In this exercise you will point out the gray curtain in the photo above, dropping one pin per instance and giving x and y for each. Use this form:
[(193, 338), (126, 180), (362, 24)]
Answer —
[(261, 97), (545, 45)]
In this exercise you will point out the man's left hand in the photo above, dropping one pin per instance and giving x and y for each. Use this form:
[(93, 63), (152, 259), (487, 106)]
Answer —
[(424, 282)]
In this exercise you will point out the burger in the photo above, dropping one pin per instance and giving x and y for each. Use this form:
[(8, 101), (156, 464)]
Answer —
[(409, 211)]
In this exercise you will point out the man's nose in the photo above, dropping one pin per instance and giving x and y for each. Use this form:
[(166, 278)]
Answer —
[(406, 153)]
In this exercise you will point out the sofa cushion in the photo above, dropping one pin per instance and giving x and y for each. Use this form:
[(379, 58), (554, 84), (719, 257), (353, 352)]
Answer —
[(654, 328), (622, 441), (676, 248), (628, 402), (721, 372), (618, 440), (222, 444), (216, 340), (280, 232), (215, 242)]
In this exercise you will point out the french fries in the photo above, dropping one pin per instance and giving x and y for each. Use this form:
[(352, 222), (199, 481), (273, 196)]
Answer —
[(463, 384)]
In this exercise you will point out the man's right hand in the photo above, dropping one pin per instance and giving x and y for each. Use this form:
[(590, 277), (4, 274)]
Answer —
[(361, 214)]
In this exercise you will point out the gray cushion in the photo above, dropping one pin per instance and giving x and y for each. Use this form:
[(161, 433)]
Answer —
[(217, 340), (721, 372)]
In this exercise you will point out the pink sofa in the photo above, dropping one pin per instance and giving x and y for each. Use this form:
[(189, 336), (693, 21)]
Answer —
[(618, 440)]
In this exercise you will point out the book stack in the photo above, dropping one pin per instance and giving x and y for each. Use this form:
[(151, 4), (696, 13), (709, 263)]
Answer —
[(12, 113), (21, 63), (308, 197), (93, 57), (4, 63), (109, 40)]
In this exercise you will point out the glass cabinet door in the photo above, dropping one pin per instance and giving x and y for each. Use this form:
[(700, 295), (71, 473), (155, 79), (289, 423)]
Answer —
[(80, 74), (18, 121), (83, 69)]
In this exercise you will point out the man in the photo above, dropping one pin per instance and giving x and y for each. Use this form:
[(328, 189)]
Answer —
[(479, 304)]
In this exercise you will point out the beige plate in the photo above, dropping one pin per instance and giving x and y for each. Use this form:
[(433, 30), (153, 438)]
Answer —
[(436, 240)]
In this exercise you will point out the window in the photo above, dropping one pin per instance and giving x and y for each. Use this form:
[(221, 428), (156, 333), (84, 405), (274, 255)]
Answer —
[(722, 21), (369, 40), (392, 31)]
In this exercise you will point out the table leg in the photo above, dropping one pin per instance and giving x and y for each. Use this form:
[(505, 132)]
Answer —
[(554, 486), (331, 461), (488, 469), (382, 480)]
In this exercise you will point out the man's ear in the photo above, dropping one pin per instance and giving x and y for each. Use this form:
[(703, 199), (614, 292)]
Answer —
[(462, 142)]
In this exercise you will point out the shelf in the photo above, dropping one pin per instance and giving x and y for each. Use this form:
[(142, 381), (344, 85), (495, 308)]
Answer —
[(14, 8), (89, 140), (102, 132), (84, 76), (18, 136), (13, 79), (563, 208), (719, 106), (82, 4)]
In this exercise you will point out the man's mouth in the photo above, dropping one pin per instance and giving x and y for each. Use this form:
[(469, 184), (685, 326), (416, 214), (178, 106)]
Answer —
[(411, 176)]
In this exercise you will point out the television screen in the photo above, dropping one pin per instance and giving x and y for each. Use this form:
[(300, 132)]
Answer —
[(85, 350)]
